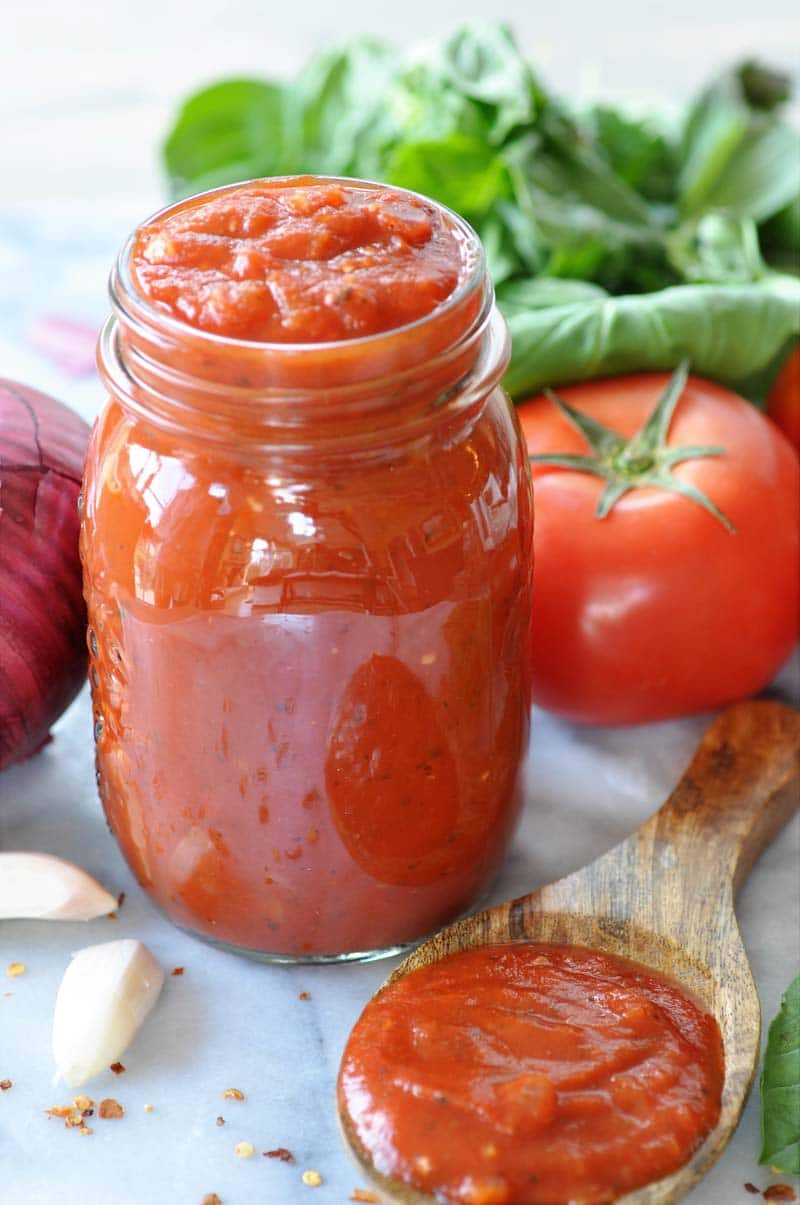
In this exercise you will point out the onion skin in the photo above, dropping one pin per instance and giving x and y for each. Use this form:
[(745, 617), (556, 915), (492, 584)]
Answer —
[(43, 651)]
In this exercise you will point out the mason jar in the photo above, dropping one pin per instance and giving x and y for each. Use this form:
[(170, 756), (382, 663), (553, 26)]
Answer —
[(308, 567)]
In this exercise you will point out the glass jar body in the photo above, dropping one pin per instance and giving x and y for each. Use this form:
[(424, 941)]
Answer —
[(308, 575), (310, 682)]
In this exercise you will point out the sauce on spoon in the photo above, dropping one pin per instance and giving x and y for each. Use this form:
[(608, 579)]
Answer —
[(532, 1074)]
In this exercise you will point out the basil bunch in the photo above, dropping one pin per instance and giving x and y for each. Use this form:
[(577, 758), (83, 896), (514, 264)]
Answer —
[(615, 243)]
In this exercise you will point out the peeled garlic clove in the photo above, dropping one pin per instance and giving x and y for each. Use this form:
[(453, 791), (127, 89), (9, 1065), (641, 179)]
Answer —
[(42, 887), (105, 995)]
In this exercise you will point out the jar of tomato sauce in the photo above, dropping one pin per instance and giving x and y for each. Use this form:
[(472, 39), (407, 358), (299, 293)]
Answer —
[(307, 554)]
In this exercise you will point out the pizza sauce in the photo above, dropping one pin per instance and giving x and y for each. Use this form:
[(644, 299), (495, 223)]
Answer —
[(527, 1074)]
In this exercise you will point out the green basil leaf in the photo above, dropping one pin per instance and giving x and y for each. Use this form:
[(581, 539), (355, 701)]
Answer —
[(718, 248), (762, 177), (780, 1087), (543, 292), (736, 154), (229, 131), (780, 238), (460, 172), (782, 232), (339, 98), (727, 332), (573, 163), (637, 151), (502, 257), (482, 61)]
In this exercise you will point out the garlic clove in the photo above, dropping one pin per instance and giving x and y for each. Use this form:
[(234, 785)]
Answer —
[(105, 995), (43, 887)]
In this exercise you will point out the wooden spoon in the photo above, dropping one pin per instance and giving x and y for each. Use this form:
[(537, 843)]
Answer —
[(664, 897)]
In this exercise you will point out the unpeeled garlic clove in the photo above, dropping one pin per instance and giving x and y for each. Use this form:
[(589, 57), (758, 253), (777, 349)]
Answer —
[(105, 995), (43, 887)]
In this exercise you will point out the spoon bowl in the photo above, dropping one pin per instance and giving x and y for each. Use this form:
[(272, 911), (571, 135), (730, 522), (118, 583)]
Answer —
[(664, 897)]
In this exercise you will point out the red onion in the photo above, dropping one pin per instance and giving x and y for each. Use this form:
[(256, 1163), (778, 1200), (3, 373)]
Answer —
[(42, 612)]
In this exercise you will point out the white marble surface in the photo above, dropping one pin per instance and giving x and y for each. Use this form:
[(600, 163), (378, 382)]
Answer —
[(85, 92)]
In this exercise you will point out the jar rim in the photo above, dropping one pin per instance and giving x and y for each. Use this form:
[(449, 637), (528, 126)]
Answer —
[(183, 377), (130, 305)]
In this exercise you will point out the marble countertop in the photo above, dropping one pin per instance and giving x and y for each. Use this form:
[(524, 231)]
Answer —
[(227, 1022)]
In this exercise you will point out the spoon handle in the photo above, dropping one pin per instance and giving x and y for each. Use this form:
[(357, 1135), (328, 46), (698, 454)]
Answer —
[(742, 786)]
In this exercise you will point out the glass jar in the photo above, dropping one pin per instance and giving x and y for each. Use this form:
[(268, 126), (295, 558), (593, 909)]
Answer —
[(308, 574)]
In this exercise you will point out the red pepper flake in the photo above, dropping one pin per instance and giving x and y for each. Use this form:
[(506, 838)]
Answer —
[(752, 1189), (779, 1192), (281, 1153), (110, 1109), (177, 971), (117, 1068), (120, 899), (73, 1116), (5, 1084), (304, 996), (366, 1195)]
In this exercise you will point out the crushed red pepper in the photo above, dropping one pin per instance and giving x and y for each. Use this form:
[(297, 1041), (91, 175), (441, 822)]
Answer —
[(281, 1153), (117, 1068), (73, 1115)]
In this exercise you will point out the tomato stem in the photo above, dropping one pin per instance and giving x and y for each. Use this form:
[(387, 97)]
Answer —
[(643, 460)]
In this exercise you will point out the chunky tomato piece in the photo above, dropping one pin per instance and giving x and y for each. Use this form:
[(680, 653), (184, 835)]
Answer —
[(658, 609)]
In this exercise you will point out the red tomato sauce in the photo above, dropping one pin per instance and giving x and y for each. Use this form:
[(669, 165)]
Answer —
[(238, 264), (309, 666), (525, 1074)]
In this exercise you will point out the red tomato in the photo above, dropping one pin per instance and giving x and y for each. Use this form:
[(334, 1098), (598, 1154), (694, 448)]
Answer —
[(657, 611), (783, 403)]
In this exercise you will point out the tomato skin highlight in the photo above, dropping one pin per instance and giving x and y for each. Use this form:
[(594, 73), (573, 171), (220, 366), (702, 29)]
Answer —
[(783, 403), (656, 611)]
